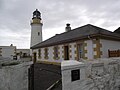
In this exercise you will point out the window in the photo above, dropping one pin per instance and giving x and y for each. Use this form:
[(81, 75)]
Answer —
[(38, 33), (56, 52), (46, 53), (34, 57), (0, 51), (39, 53), (80, 51), (17, 53)]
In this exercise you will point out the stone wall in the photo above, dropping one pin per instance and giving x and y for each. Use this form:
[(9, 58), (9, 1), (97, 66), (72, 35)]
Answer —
[(14, 77), (102, 74)]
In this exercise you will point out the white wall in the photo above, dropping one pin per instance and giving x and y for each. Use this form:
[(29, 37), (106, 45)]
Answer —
[(66, 68), (14, 77), (94, 75), (42, 54), (8, 51), (61, 54), (27, 51), (73, 50), (108, 44), (89, 49), (35, 38), (50, 53)]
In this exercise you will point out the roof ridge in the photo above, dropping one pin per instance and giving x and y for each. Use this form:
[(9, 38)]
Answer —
[(99, 27), (79, 32)]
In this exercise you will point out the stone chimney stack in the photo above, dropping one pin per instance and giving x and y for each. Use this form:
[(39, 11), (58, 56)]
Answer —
[(67, 28)]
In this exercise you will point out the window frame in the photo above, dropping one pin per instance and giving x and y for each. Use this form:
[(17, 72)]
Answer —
[(46, 53), (56, 52), (39, 53)]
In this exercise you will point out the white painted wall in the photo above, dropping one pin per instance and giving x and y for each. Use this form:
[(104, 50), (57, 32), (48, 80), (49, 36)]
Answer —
[(8, 51), (92, 74), (73, 50), (89, 48), (106, 44), (14, 77), (50, 53), (35, 38), (27, 51), (61, 54), (66, 68), (42, 54), (109, 44)]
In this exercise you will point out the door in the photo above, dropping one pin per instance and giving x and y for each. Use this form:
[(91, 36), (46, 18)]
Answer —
[(34, 58), (66, 52)]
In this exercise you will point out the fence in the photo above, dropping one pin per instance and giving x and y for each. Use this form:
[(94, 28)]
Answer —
[(114, 53)]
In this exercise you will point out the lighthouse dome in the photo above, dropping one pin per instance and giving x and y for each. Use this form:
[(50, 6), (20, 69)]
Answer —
[(36, 14)]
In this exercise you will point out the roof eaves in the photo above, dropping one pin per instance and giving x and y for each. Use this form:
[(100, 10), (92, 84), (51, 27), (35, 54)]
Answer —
[(66, 41)]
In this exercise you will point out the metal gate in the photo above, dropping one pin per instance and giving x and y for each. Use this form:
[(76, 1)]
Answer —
[(42, 76)]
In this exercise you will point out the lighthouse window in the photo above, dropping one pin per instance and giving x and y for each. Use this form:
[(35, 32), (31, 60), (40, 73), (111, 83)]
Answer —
[(38, 33)]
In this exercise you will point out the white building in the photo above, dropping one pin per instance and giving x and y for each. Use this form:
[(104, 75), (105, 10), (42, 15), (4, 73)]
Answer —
[(23, 52), (8, 51), (85, 42)]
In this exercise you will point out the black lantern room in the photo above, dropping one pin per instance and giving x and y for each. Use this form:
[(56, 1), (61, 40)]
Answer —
[(36, 14)]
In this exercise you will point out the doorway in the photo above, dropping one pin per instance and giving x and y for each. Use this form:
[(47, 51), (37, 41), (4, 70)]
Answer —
[(34, 57), (66, 52)]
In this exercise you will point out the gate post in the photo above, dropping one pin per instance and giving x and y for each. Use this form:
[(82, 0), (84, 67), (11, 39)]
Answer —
[(73, 72), (31, 77)]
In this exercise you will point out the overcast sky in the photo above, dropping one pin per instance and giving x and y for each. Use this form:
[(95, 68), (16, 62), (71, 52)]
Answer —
[(15, 16)]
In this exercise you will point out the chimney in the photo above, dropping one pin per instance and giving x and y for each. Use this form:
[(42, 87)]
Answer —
[(11, 45), (67, 28)]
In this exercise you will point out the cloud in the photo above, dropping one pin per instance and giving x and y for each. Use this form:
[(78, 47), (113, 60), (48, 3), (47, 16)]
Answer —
[(15, 16)]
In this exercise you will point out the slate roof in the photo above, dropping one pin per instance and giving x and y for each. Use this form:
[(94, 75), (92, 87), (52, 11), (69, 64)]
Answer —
[(117, 30), (76, 34)]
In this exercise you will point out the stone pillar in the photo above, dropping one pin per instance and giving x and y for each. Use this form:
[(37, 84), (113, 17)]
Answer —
[(73, 75)]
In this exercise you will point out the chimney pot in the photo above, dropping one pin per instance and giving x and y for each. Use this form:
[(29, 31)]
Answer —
[(11, 45), (67, 24), (67, 28)]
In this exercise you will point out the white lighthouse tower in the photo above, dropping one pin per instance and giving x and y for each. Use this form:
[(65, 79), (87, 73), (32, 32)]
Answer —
[(36, 28)]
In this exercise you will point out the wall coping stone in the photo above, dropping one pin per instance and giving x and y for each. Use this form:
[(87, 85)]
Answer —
[(71, 64)]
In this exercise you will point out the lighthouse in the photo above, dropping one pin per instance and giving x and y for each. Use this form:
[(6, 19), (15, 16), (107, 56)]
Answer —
[(36, 28)]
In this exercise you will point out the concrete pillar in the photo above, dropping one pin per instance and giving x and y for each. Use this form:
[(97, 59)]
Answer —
[(73, 74)]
